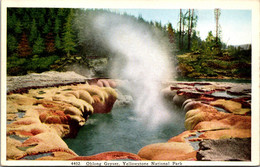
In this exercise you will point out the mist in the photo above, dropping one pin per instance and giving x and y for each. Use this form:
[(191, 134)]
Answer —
[(140, 56)]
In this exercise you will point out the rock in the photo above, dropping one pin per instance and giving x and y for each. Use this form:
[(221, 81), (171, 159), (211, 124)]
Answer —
[(226, 134), (58, 156), (181, 137), (192, 105), (209, 88), (25, 121), (123, 99), (11, 117), (108, 83), (108, 156), (180, 86), (211, 125), (46, 79), (224, 120), (202, 113), (240, 89), (190, 93), (168, 93), (244, 100), (103, 82), (82, 105), (166, 151), (50, 114), (207, 98), (62, 130), (230, 106), (205, 117), (45, 142), (19, 99), (235, 149), (12, 151), (28, 130), (81, 94), (179, 99), (103, 107), (186, 102)]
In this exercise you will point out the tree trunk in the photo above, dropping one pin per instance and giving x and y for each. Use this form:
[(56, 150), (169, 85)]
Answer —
[(189, 30), (217, 18), (191, 26), (180, 32)]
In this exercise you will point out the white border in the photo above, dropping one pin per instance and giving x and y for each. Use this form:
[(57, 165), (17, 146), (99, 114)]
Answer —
[(148, 4)]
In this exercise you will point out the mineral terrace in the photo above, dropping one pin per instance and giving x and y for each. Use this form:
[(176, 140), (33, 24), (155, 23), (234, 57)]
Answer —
[(42, 109)]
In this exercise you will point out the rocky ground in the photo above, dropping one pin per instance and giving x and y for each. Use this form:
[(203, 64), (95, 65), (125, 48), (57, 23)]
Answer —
[(218, 121), (44, 108)]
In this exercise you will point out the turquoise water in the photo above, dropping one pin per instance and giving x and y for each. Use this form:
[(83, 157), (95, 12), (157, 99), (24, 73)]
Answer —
[(214, 80), (121, 130)]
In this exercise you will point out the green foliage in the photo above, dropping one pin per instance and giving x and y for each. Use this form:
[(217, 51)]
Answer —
[(40, 64), (41, 39), (11, 43), (38, 46), (68, 35), (18, 27), (11, 22), (208, 62), (14, 61), (15, 65), (26, 21), (58, 42), (34, 31), (20, 66), (47, 27), (57, 25)]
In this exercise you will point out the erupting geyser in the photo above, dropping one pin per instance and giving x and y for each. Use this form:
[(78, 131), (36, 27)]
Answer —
[(141, 58)]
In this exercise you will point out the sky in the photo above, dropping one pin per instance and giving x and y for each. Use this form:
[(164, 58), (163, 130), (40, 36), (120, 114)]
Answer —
[(236, 25)]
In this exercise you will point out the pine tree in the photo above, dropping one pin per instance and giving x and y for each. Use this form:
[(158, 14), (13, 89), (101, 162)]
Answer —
[(58, 42), (68, 39), (26, 22), (47, 27), (11, 43), (170, 33), (41, 21), (18, 27), (57, 25), (60, 12), (11, 21), (24, 49), (34, 32), (38, 46), (50, 46)]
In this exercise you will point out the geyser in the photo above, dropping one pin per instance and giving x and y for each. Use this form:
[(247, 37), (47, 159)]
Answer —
[(141, 58)]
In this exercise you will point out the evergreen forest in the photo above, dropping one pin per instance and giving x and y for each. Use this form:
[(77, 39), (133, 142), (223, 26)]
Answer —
[(60, 39)]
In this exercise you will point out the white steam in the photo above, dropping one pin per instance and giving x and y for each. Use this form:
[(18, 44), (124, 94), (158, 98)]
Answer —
[(142, 58)]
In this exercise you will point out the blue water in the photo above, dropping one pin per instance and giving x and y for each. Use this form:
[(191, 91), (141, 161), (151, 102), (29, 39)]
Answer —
[(213, 80), (121, 130)]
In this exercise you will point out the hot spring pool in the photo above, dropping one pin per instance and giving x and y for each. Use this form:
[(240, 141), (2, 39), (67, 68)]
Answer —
[(121, 130)]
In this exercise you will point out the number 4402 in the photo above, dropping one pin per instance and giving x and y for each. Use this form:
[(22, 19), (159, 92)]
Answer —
[(75, 163)]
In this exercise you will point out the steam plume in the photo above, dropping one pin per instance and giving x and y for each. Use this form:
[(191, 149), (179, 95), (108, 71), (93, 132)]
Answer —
[(141, 57)]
